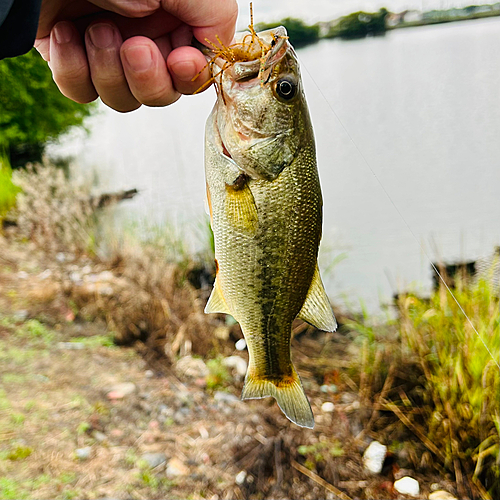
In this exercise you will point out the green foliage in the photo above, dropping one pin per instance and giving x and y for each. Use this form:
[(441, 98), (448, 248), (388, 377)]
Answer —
[(321, 451), (8, 190), (443, 378), (359, 25), (19, 453), (95, 341), (218, 375), (32, 110), (299, 33)]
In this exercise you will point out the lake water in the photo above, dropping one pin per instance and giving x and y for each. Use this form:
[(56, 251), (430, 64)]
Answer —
[(421, 105)]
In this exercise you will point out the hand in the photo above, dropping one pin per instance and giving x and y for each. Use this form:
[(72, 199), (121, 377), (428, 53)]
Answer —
[(130, 52)]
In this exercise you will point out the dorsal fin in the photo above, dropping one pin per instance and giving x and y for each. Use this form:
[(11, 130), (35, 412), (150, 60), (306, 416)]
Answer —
[(216, 302), (317, 309)]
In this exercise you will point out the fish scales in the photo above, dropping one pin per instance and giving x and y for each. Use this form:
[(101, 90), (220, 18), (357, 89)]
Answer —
[(266, 214)]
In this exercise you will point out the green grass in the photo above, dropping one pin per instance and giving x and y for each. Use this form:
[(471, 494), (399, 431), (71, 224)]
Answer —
[(444, 384), (8, 190)]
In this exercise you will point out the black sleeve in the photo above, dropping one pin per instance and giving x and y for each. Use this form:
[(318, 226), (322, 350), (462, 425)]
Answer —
[(18, 25)]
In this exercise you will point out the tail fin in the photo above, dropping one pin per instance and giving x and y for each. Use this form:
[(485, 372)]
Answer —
[(288, 393)]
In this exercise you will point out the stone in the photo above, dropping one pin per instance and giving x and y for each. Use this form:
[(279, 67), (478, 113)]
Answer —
[(240, 477), (225, 397), (328, 407), (176, 467), (149, 373), (99, 436), (191, 367), (374, 456), (83, 453), (119, 391), (21, 315), (407, 486), (237, 364), (441, 495), (154, 459), (241, 345), (45, 274), (70, 346)]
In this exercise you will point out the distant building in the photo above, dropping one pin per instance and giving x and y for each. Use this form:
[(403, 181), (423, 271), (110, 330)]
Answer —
[(393, 20), (412, 16)]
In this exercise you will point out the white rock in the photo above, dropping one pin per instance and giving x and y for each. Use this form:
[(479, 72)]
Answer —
[(239, 365), (441, 495), (241, 345), (407, 486), (83, 453), (240, 477), (45, 274), (374, 456), (125, 388), (176, 468), (192, 367), (328, 407)]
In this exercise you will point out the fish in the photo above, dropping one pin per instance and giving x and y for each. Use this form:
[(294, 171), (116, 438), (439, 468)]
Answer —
[(265, 205)]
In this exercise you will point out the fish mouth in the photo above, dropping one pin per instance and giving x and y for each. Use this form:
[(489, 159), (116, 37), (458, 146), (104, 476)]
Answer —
[(250, 55)]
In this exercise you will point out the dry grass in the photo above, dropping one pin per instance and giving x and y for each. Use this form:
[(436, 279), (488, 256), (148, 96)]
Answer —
[(55, 214)]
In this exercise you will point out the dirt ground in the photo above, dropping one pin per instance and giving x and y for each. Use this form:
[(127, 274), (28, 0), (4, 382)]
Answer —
[(83, 418)]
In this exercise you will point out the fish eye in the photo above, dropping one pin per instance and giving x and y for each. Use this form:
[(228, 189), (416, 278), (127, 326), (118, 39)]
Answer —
[(286, 89)]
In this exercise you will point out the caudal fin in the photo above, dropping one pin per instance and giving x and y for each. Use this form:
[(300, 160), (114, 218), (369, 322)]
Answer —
[(288, 393)]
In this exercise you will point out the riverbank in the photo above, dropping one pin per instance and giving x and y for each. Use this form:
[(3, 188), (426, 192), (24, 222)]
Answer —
[(160, 415)]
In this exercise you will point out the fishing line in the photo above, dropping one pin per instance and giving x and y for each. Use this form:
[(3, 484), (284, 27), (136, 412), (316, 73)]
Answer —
[(402, 217)]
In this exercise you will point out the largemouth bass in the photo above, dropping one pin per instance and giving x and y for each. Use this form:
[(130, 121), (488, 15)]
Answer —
[(266, 211)]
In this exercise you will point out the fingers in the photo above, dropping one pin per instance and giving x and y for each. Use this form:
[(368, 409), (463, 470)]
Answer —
[(184, 64), (146, 71), (103, 42), (69, 65), (208, 18)]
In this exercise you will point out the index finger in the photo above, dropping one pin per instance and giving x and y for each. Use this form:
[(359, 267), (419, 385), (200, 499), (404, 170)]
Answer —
[(208, 18)]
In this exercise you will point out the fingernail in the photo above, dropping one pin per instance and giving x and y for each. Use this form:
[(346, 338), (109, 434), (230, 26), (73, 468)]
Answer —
[(184, 70), (63, 32), (139, 58), (101, 35)]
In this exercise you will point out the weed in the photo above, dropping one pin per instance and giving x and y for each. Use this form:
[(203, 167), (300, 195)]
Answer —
[(95, 341), (451, 400), (321, 451), (218, 375), (17, 418), (10, 490), (19, 453), (34, 330), (8, 190)]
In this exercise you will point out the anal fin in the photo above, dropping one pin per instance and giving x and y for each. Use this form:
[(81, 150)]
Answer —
[(317, 309)]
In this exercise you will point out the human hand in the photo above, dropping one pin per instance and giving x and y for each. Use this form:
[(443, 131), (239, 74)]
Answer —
[(130, 52)]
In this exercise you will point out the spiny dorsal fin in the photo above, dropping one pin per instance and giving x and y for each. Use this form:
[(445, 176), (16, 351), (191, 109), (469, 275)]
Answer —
[(288, 393), (216, 302), (317, 310)]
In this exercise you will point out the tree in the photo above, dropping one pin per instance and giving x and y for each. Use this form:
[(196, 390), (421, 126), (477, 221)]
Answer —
[(32, 110)]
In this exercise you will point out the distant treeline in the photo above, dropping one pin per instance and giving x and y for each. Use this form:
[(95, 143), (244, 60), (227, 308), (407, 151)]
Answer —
[(356, 25), (361, 24)]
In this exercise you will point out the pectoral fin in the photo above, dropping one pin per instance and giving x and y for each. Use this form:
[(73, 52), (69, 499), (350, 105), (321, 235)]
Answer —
[(240, 207), (216, 302), (317, 310)]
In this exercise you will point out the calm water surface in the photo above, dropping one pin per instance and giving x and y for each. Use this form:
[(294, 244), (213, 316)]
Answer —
[(421, 105)]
